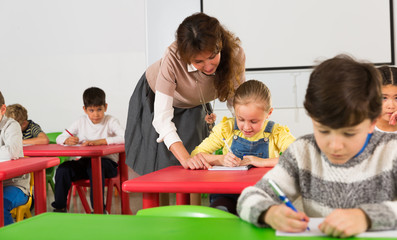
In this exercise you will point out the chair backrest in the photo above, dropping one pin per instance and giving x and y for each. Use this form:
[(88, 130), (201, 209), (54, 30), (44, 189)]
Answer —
[(52, 136), (186, 211)]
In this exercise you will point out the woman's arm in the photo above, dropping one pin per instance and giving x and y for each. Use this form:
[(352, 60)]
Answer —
[(184, 158)]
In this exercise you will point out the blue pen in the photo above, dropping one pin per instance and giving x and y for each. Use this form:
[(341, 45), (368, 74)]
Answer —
[(282, 196)]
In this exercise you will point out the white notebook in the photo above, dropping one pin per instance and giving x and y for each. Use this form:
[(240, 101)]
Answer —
[(314, 231), (224, 168)]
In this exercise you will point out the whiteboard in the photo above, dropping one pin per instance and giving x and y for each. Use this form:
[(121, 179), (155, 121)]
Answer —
[(295, 34)]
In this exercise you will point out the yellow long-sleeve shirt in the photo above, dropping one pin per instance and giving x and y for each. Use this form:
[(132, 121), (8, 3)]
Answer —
[(279, 139)]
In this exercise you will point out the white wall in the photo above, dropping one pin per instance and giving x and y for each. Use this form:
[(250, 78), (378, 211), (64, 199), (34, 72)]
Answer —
[(51, 50)]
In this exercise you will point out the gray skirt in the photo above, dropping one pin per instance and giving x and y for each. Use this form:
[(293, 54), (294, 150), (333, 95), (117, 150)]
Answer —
[(143, 153)]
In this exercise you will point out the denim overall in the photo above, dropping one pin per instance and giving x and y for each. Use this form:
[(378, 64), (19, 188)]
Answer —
[(241, 147)]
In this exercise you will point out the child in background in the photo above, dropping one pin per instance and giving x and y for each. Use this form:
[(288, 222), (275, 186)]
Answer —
[(31, 131), (253, 139), (339, 169), (387, 120), (15, 190), (94, 128)]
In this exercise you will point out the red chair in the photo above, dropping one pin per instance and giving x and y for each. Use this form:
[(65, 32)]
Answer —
[(80, 186)]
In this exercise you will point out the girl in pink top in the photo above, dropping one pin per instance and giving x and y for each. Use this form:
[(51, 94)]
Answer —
[(387, 120)]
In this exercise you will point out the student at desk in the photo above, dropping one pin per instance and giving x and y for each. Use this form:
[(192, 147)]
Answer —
[(345, 171), (31, 131), (95, 128), (387, 120), (253, 139), (15, 190)]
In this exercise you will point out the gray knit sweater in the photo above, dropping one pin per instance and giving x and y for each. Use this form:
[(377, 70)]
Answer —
[(11, 148), (367, 181)]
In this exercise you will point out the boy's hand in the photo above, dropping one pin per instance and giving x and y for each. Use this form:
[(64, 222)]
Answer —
[(345, 223), (230, 160), (71, 141), (283, 218), (95, 142), (258, 162)]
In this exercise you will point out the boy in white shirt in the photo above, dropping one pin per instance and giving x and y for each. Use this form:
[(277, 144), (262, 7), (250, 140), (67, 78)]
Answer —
[(95, 128)]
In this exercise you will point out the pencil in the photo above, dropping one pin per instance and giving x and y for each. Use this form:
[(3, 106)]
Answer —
[(227, 145), (69, 132)]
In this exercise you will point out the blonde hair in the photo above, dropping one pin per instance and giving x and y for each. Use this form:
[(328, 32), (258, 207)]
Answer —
[(17, 112), (253, 91)]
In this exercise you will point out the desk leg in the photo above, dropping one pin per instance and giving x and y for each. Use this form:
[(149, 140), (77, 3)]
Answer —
[(182, 199), (1, 205), (40, 192), (150, 200), (125, 199), (96, 168)]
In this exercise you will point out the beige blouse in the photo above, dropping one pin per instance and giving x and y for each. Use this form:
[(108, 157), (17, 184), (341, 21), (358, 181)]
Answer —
[(171, 76), (177, 85)]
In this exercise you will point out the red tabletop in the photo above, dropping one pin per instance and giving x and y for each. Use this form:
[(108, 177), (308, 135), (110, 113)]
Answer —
[(176, 179), (95, 152), (14, 168), (62, 150)]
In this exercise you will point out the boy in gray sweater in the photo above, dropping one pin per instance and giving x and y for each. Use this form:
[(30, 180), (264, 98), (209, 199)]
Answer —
[(345, 172)]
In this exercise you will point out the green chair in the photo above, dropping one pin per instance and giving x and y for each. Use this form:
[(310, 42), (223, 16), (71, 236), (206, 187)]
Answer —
[(186, 211), (52, 136)]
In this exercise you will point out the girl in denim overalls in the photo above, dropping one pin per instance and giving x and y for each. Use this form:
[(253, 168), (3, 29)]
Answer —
[(253, 140)]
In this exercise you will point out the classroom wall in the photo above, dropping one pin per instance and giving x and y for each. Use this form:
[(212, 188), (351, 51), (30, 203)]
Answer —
[(50, 51)]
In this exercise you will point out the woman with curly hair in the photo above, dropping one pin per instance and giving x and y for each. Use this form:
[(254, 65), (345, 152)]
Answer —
[(169, 112)]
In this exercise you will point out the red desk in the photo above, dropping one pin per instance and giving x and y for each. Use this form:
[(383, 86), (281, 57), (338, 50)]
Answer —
[(178, 180), (95, 152), (15, 168)]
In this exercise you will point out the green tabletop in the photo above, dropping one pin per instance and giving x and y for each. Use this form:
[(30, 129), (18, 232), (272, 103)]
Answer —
[(92, 226)]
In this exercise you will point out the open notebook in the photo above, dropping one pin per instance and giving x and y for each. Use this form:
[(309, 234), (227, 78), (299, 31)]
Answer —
[(314, 231), (223, 168)]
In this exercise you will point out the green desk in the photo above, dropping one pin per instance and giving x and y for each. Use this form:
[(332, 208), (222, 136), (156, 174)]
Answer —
[(68, 226)]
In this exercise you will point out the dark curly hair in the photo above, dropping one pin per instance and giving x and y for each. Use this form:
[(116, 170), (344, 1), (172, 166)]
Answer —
[(200, 32)]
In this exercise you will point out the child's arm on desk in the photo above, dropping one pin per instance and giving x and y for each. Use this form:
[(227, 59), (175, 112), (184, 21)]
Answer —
[(95, 142), (40, 139), (259, 162), (344, 223)]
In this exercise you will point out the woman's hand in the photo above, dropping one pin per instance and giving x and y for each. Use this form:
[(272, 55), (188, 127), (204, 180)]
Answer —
[(393, 119), (283, 218), (197, 162), (71, 141), (344, 223), (259, 162), (210, 118), (230, 160)]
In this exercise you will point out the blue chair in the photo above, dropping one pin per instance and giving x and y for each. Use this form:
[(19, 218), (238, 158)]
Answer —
[(186, 211)]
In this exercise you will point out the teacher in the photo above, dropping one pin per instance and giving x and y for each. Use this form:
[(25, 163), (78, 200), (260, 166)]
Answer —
[(169, 112)]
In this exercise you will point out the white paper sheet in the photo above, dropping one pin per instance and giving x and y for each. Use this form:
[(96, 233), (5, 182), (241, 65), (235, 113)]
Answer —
[(220, 168), (314, 231)]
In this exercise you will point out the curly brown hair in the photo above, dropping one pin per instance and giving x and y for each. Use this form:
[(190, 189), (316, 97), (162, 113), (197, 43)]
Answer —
[(200, 32)]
